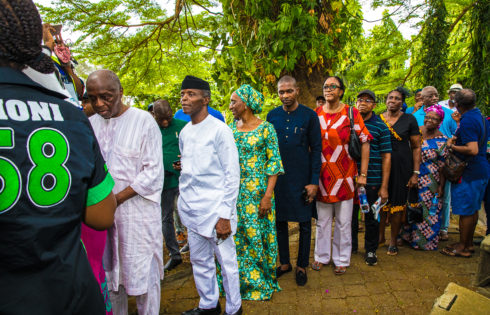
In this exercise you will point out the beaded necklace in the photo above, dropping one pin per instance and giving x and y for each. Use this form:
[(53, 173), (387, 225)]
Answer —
[(393, 132)]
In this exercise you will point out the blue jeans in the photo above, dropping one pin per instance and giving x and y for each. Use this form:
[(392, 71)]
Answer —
[(446, 207)]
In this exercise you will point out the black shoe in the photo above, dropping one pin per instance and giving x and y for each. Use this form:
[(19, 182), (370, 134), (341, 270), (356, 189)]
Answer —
[(185, 249), (239, 312), (201, 311), (478, 240), (280, 272), (371, 259), (301, 278), (172, 263)]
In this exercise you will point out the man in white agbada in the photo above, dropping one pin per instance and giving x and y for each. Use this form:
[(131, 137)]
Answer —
[(131, 143), (208, 185)]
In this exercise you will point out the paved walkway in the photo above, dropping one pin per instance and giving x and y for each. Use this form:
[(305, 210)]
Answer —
[(404, 284)]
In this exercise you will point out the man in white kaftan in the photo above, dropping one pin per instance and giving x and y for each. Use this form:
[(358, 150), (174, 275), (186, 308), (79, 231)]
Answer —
[(131, 143), (208, 185)]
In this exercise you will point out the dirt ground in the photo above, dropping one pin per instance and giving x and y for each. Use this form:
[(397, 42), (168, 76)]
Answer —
[(405, 284)]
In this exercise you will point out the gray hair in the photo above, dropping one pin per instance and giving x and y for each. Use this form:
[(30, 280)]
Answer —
[(206, 93), (428, 89)]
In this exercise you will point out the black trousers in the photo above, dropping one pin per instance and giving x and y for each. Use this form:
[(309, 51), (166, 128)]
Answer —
[(304, 243), (372, 226)]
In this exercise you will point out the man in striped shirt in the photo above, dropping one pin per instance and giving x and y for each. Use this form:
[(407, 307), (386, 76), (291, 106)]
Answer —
[(377, 176)]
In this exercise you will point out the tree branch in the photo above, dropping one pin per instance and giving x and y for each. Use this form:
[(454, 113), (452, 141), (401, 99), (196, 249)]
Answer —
[(460, 16)]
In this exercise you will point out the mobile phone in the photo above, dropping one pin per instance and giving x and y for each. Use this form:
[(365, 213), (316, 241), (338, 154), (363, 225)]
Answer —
[(304, 195), (56, 29)]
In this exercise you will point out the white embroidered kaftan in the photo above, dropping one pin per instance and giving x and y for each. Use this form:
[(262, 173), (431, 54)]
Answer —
[(131, 144), (210, 176)]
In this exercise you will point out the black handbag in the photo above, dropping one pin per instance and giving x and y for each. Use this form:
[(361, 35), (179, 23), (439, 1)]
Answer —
[(354, 142), (415, 212)]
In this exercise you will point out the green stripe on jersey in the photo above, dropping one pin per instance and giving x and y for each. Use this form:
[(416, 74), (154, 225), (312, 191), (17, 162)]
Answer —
[(98, 193)]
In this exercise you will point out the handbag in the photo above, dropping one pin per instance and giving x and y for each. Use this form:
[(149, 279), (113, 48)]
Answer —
[(354, 142), (415, 212), (454, 166)]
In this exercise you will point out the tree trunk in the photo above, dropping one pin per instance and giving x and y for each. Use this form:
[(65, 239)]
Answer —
[(310, 86)]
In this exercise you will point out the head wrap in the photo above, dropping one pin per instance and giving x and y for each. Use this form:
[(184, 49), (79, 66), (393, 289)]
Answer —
[(252, 98), (191, 82), (437, 109)]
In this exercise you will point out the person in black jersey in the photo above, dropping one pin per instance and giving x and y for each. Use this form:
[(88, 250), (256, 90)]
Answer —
[(52, 177)]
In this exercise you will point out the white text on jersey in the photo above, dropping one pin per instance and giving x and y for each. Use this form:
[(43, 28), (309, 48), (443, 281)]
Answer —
[(35, 111)]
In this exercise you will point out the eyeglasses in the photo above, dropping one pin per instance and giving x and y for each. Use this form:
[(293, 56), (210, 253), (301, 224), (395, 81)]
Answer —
[(367, 100), (432, 118), (330, 87)]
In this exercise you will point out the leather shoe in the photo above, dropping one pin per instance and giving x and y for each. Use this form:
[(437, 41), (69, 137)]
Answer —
[(172, 263), (301, 278), (239, 312), (202, 311), (280, 272)]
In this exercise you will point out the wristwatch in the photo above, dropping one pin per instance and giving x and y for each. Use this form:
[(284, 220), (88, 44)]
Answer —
[(417, 172), (363, 175)]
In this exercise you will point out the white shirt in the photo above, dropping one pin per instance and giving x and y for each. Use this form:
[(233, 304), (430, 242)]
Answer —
[(210, 176), (131, 145), (445, 103)]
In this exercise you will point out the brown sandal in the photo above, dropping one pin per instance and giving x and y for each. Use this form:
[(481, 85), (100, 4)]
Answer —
[(454, 253), (340, 270), (316, 265)]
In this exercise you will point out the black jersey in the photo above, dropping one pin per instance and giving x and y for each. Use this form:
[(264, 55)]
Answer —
[(51, 168)]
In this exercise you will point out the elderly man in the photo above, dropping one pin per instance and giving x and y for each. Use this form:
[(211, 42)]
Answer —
[(300, 145), (131, 143), (430, 97), (208, 185)]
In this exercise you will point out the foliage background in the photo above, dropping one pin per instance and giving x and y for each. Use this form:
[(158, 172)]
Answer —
[(232, 42)]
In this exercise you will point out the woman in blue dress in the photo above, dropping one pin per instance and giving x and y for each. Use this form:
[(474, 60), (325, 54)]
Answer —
[(425, 235)]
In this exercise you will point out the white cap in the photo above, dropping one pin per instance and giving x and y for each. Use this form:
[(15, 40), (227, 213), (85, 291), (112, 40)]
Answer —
[(455, 87)]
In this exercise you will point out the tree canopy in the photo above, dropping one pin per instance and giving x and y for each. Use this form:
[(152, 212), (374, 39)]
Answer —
[(232, 42)]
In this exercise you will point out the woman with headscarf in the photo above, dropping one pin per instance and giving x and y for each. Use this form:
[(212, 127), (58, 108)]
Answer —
[(425, 235), (260, 164)]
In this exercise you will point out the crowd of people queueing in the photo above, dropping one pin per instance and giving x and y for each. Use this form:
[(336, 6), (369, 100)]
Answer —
[(114, 181)]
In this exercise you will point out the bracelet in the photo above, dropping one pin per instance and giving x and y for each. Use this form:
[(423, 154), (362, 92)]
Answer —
[(417, 172), (363, 175)]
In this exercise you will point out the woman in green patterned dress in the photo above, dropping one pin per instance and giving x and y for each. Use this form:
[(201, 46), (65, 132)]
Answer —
[(260, 164)]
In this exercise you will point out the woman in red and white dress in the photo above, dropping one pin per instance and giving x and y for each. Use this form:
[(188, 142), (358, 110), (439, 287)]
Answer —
[(337, 177)]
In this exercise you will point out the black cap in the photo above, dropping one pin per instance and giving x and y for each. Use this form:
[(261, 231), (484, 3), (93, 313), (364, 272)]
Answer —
[(191, 82), (368, 92)]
